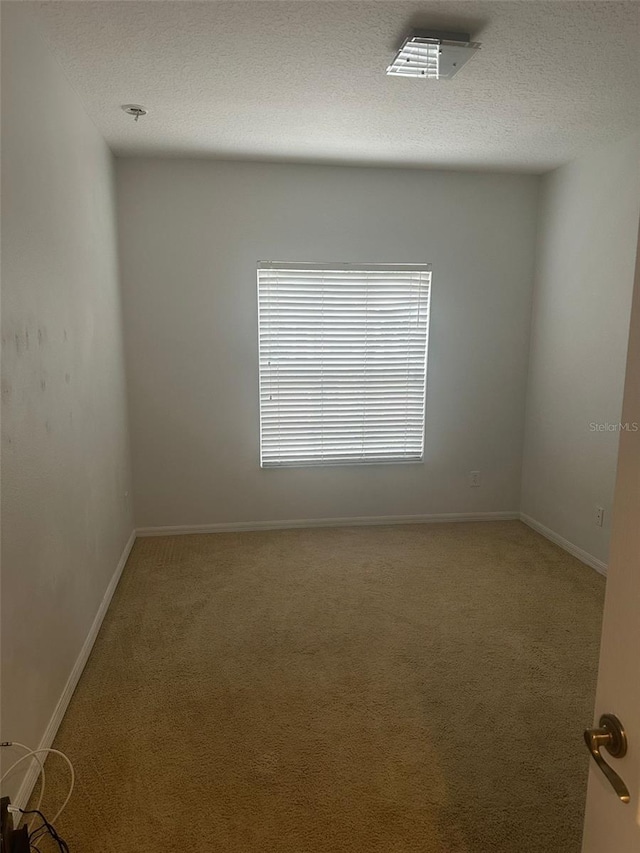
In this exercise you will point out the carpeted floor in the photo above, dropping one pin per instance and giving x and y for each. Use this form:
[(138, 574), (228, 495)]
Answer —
[(378, 690)]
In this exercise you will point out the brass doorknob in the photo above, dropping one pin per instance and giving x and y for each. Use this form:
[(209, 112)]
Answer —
[(612, 736)]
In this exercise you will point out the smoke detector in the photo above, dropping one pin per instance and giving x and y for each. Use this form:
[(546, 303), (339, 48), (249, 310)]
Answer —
[(134, 110), (432, 55)]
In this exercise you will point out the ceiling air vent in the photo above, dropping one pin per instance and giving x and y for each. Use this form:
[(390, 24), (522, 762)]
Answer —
[(432, 55)]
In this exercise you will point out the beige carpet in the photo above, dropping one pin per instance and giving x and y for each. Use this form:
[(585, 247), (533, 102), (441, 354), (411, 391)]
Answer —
[(382, 690)]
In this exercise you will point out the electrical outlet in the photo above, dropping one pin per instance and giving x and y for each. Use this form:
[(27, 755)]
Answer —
[(599, 515), (474, 479)]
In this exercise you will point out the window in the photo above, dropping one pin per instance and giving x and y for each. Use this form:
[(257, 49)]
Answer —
[(343, 363)]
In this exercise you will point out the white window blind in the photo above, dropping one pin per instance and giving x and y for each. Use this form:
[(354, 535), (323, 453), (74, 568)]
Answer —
[(343, 361)]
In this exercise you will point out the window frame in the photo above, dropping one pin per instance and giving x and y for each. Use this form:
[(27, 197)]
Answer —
[(346, 267)]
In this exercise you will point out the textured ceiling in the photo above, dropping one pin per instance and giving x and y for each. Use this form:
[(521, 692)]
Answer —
[(306, 80)]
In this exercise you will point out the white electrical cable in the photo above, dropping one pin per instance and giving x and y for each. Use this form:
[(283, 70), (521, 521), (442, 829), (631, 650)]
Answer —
[(42, 774), (33, 753)]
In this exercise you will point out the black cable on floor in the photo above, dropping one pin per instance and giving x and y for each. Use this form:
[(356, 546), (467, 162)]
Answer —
[(45, 829)]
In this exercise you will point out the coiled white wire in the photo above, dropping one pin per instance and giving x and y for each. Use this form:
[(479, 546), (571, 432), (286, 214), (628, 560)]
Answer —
[(42, 773), (33, 753)]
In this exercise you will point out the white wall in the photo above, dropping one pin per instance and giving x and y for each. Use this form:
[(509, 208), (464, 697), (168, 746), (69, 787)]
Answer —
[(191, 232), (586, 251), (65, 456)]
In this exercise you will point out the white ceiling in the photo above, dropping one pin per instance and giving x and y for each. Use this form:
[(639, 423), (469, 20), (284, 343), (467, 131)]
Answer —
[(306, 80)]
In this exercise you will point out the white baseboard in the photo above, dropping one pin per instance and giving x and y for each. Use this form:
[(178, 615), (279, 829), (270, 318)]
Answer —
[(30, 778), (580, 553), (358, 521)]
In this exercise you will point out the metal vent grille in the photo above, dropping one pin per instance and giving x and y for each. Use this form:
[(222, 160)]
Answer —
[(433, 55), (417, 58)]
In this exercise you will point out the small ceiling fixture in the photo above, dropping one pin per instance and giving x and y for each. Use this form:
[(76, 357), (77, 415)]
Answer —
[(432, 55), (134, 110)]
